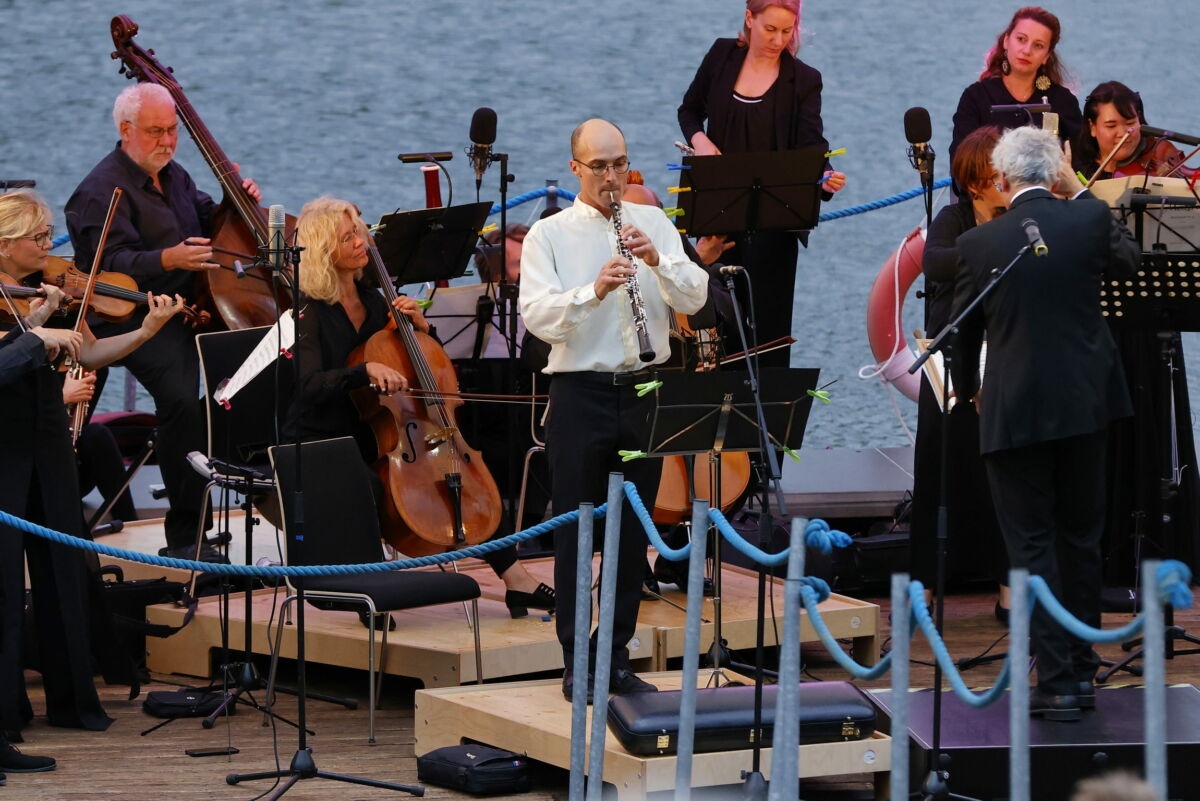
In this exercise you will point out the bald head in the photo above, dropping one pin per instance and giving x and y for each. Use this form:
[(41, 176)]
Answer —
[(642, 194), (595, 135)]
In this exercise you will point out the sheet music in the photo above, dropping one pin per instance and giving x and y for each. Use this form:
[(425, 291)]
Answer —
[(280, 335), (933, 369)]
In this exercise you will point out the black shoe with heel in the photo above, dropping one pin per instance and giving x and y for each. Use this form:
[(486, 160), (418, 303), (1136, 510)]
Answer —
[(519, 603)]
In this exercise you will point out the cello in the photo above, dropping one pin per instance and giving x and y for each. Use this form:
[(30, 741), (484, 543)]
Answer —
[(440, 493), (239, 223)]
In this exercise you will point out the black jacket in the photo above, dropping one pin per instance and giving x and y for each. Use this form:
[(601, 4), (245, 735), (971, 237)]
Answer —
[(1052, 370)]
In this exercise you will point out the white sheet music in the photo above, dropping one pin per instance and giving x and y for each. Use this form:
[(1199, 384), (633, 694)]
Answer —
[(281, 335)]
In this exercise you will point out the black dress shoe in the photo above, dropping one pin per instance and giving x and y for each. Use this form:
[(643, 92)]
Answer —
[(626, 682), (568, 686), (1086, 695), (518, 603), (1054, 707), (668, 572), (380, 620), (13, 761)]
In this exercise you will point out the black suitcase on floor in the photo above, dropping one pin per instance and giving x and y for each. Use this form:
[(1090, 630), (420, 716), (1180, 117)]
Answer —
[(647, 724), (476, 769)]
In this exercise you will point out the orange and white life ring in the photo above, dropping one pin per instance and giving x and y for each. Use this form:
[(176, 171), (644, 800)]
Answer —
[(885, 316)]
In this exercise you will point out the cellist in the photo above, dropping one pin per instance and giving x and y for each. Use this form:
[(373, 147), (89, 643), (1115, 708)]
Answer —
[(339, 312), (160, 239)]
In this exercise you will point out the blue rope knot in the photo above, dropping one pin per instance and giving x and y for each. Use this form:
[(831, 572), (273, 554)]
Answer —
[(820, 536), (819, 587), (1174, 580)]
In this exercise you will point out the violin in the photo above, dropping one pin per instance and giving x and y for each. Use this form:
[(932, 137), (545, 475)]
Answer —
[(1156, 157), (440, 493), (115, 296), (239, 223)]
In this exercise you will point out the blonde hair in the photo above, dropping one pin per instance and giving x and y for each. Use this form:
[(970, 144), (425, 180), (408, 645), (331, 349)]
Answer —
[(756, 7), (316, 232), (129, 102), (21, 213)]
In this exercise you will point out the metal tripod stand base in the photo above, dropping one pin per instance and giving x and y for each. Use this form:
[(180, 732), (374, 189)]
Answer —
[(304, 767), (937, 788)]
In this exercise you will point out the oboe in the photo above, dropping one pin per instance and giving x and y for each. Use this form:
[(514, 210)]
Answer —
[(645, 349)]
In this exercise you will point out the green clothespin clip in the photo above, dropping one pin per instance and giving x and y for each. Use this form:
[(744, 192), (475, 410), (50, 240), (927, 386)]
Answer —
[(795, 456), (424, 304), (629, 456), (820, 394), (647, 388), (841, 151), (673, 211), (1082, 178)]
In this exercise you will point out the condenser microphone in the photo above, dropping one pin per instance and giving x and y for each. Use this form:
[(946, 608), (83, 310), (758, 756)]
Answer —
[(730, 269), (918, 131), (483, 136), (276, 237), (1034, 236)]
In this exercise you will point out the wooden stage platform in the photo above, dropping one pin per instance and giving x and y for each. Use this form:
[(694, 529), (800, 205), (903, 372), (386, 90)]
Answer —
[(435, 644), (532, 718)]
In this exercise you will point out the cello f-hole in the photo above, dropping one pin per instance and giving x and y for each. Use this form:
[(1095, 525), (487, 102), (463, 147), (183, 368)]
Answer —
[(410, 455)]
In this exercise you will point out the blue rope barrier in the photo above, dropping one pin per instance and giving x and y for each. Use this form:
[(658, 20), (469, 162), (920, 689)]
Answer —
[(916, 596), (266, 571), (891, 200), (59, 240), (811, 597), (533, 194)]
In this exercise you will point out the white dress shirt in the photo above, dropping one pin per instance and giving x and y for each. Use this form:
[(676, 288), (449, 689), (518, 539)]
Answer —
[(560, 261)]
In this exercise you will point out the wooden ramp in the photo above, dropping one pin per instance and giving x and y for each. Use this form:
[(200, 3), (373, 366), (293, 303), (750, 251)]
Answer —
[(435, 644), (532, 718)]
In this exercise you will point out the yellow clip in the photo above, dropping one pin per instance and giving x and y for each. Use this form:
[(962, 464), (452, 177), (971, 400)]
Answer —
[(673, 211), (681, 230), (487, 229), (841, 151), (820, 394), (424, 303), (629, 456), (675, 190), (795, 456), (1082, 178), (646, 388)]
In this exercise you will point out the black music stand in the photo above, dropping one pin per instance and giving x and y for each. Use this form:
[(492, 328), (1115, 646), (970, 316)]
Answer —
[(430, 244), (714, 412)]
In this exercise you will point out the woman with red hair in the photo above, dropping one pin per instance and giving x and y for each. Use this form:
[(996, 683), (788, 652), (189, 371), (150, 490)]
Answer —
[(1022, 67)]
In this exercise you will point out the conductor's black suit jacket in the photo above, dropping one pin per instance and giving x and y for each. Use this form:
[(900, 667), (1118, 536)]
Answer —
[(1052, 367)]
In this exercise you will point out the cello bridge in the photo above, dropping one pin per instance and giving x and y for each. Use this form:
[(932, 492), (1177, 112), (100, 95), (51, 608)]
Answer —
[(436, 438)]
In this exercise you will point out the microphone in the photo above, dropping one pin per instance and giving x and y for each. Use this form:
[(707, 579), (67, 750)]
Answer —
[(1162, 133), (276, 233), (918, 131), (730, 269), (412, 158), (200, 464), (483, 135), (1050, 122), (1035, 237)]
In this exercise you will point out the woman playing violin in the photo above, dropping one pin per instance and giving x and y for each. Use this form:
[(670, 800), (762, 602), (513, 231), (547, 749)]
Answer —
[(38, 481), (1110, 111), (340, 312)]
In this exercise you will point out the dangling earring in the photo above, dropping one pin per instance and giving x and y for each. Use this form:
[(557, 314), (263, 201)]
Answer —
[(1005, 67), (1042, 82)]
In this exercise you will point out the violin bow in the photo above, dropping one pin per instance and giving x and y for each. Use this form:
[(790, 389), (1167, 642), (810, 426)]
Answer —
[(1103, 164), (89, 290), (12, 307)]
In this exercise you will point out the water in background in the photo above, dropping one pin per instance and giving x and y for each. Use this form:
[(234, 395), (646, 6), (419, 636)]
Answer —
[(318, 96)]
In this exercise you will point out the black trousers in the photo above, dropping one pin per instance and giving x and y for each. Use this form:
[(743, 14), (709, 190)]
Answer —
[(168, 366), (590, 420), (1049, 500), (770, 259)]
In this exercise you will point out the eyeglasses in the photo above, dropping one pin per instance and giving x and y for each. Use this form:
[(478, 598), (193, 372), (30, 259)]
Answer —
[(43, 238), (620, 167), (158, 132)]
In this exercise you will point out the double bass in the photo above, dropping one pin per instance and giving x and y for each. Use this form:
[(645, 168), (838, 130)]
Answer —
[(440, 494), (239, 223)]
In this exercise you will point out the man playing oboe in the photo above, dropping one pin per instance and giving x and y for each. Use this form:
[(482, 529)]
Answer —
[(574, 295)]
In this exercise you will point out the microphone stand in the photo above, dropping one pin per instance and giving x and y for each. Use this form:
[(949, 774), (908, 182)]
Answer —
[(509, 291), (923, 162), (937, 781)]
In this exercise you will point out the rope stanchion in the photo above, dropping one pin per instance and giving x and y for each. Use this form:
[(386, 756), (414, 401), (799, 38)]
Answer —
[(1018, 701), (691, 653), (817, 535)]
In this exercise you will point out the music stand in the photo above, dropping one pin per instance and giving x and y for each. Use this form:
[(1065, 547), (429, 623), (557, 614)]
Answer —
[(749, 192), (430, 244)]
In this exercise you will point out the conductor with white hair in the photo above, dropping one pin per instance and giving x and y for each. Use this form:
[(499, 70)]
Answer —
[(160, 238), (1053, 384)]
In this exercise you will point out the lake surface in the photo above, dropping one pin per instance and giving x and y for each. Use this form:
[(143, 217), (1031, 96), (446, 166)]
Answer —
[(318, 96)]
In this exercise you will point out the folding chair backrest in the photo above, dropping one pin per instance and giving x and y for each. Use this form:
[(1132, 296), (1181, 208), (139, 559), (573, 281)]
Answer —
[(242, 433), (340, 523)]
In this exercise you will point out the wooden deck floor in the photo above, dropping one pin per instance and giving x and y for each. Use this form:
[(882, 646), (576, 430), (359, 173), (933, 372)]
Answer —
[(120, 764)]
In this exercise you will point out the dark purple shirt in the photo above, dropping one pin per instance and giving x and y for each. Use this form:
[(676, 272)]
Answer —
[(147, 221)]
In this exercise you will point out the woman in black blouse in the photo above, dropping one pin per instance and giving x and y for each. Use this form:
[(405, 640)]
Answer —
[(341, 312), (1022, 67), (756, 96), (976, 546)]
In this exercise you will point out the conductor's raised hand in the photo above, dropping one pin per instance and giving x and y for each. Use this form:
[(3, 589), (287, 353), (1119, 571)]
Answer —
[(613, 275), (639, 244), (412, 310)]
